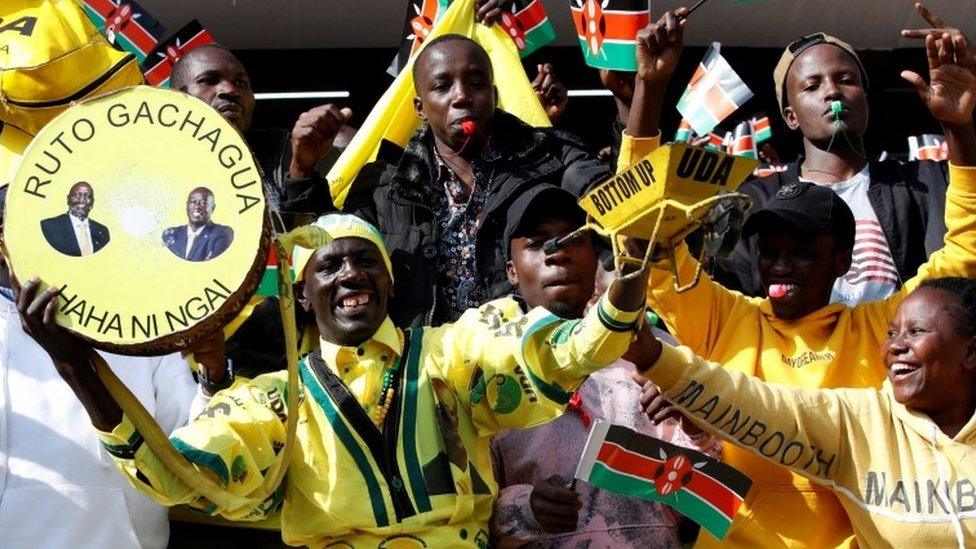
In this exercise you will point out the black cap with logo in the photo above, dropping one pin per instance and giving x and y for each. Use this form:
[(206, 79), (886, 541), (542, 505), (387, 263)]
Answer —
[(812, 209), (538, 202)]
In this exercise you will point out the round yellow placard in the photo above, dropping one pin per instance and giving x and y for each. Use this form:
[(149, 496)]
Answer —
[(147, 209)]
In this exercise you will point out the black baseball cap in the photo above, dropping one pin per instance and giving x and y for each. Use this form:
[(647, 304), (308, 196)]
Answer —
[(812, 209), (535, 203)]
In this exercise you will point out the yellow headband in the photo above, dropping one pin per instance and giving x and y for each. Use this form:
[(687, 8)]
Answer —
[(341, 226)]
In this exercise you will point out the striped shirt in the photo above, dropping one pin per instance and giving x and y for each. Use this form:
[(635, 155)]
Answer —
[(873, 274)]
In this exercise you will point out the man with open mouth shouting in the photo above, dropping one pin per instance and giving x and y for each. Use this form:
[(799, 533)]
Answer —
[(393, 425)]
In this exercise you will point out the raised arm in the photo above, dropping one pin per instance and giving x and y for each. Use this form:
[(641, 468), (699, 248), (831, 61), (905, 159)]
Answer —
[(807, 431), (232, 441), (515, 370), (950, 96), (695, 317)]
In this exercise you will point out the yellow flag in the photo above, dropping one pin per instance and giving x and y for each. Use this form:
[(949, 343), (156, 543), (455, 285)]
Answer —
[(393, 117)]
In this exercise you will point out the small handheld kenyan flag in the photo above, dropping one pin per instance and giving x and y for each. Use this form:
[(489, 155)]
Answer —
[(928, 146), (126, 24), (607, 31), (715, 92), (761, 130), (718, 142), (159, 63), (527, 22), (743, 142), (622, 461)]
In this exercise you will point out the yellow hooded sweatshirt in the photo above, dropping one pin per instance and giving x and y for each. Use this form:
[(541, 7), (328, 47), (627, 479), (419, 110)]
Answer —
[(901, 480), (836, 346)]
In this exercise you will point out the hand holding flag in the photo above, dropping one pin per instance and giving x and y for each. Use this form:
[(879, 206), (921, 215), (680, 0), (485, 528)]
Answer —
[(555, 505), (659, 47)]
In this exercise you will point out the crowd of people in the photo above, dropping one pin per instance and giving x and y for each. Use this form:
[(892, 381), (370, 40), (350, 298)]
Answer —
[(452, 362)]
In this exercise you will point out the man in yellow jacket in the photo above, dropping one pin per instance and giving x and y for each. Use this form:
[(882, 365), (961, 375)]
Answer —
[(795, 336), (394, 425)]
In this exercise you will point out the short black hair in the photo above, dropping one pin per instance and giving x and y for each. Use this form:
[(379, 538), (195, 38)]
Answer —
[(178, 76), (964, 290), (447, 38)]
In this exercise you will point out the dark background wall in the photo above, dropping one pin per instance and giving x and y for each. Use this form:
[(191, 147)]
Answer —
[(896, 111)]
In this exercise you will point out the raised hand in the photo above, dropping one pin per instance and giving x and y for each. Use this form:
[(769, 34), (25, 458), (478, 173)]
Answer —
[(312, 137), (487, 12), (659, 47), (550, 91), (620, 84), (937, 27), (950, 94)]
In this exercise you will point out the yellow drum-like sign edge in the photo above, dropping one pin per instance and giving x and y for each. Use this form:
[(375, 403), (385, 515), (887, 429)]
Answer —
[(182, 339)]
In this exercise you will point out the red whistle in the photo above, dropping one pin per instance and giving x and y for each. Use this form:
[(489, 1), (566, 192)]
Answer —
[(468, 127)]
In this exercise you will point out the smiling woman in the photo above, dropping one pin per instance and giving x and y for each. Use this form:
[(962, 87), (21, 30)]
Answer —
[(900, 458)]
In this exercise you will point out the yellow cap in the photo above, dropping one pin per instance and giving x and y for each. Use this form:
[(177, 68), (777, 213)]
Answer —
[(341, 226)]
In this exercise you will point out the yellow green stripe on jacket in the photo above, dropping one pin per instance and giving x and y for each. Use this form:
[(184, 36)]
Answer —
[(428, 475)]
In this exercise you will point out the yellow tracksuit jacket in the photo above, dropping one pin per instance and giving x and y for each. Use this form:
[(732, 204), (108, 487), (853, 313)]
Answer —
[(426, 479), (836, 346), (899, 478)]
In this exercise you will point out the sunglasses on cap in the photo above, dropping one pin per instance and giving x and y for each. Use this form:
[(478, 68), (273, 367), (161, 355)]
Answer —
[(800, 44)]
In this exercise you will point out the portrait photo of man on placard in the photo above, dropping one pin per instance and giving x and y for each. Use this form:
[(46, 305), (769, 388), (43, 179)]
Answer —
[(74, 233), (200, 239)]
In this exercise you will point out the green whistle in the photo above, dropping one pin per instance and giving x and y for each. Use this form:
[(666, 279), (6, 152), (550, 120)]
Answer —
[(836, 108)]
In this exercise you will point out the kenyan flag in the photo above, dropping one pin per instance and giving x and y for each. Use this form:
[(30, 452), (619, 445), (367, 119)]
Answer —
[(159, 63), (628, 463), (607, 31), (527, 22), (269, 280), (126, 24), (420, 19), (761, 129), (743, 142), (715, 92)]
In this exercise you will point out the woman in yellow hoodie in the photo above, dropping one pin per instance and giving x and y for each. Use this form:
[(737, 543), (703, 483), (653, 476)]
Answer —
[(901, 459)]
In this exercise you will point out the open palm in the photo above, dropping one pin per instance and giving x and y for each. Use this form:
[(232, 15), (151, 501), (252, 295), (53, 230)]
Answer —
[(950, 94)]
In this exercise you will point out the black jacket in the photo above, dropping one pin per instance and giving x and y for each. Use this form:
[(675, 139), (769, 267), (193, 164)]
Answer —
[(60, 234), (908, 198), (400, 206)]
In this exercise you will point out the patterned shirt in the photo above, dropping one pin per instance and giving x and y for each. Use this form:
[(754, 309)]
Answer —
[(606, 520), (460, 212)]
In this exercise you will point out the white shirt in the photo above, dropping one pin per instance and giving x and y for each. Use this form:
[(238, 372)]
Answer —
[(82, 232), (191, 236), (58, 486), (873, 274)]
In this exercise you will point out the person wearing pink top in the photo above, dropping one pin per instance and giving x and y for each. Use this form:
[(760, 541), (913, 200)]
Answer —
[(542, 459)]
